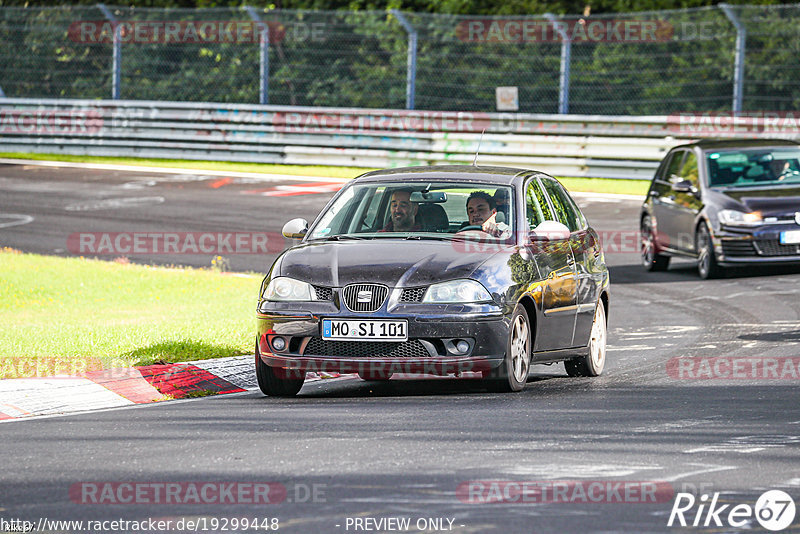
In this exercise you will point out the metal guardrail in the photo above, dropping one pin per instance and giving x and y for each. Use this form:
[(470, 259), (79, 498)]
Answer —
[(562, 145)]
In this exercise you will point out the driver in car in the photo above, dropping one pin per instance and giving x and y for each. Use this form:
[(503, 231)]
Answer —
[(482, 211), (404, 213)]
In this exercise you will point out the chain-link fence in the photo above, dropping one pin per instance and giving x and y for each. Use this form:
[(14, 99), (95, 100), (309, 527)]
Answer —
[(705, 59)]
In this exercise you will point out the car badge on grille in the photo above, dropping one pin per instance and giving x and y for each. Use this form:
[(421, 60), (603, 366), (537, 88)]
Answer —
[(364, 296), (797, 217)]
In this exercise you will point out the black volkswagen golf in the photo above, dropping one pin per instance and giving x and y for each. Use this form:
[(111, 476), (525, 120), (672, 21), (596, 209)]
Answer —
[(437, 270), (725, 203)]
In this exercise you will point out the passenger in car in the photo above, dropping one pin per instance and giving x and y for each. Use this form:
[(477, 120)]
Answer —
[(482, 211), (403, 213)]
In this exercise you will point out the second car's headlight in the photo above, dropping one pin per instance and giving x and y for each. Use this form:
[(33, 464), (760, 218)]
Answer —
[(739, 218), (457, 291), (289, 289)]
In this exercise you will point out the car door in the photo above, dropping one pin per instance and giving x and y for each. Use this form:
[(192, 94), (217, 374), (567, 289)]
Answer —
[(663, 199), (555, 288), (686, 206), (586, 251)]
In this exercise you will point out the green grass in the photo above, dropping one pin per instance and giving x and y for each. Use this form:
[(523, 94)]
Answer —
[(69, 315), (590, 185)]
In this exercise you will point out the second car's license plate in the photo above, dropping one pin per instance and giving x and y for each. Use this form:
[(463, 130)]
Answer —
[(364, 330), (791, 237)]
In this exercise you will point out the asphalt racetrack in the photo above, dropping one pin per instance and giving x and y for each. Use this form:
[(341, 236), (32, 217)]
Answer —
[(609, 454)]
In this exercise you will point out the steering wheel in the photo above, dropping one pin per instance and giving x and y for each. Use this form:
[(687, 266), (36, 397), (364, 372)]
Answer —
[(472, 227), (787, 173)]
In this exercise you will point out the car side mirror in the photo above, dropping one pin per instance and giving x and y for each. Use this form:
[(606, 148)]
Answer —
[(550, 231), (683, 186), (295, 229)]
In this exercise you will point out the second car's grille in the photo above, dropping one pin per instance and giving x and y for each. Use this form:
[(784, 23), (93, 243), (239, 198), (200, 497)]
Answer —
[(412, 294), (364, 297), (323, 293), (773, 247), (366, 349), (738, 248)]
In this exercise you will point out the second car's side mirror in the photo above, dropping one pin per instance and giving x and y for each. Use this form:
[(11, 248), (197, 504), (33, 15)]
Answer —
[(550, 231), (683, 186), (295, 229)]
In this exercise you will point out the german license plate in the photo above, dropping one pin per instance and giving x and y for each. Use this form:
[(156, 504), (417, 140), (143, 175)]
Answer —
[(791, 237), (365, 330)]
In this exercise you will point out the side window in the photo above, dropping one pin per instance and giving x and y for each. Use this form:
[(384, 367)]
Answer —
[(674, 166), (536, 207), (567, 216), (689, 169)]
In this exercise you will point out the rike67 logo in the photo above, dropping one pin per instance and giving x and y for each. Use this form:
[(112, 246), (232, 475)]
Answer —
[(774, 510)]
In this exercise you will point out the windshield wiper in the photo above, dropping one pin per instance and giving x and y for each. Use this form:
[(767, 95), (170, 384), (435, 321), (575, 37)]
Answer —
[(344, 237)]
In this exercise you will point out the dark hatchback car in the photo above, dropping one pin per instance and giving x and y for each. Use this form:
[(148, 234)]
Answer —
[(725, 203), (437, 270)]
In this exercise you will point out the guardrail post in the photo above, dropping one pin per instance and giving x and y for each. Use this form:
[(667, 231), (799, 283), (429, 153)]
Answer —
[(738, 67), (2, 94), (411, 68), (566, 60), (263, 86), (116, 61)]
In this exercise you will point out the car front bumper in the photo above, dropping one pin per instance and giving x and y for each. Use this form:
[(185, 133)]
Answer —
[(433, 332), (759, 245)]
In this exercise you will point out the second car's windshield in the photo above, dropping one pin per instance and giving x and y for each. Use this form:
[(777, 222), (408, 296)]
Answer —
[(418, 209), (753, 167)]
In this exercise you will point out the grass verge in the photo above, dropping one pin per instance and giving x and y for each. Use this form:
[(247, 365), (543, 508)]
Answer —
[(589, 185), (72, 315)]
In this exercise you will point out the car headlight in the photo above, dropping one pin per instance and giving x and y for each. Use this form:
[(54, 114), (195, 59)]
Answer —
[(739, 218), (457, 291), (283, 289)]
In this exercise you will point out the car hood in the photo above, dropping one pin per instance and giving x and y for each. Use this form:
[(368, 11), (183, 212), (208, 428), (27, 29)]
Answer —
[(393, 262), (770, 202)]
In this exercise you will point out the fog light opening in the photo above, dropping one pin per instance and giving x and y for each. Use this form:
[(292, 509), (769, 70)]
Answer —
[(278, 343), (462, 346)]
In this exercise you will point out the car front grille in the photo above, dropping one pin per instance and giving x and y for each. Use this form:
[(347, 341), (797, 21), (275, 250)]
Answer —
[(738, 248), (773, 247), (366, 349), (412, 294), (323, 293), (371, 297)]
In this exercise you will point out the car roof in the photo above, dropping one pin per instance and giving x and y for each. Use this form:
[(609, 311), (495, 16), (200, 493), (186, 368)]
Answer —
[(464, 173), (717, 144)]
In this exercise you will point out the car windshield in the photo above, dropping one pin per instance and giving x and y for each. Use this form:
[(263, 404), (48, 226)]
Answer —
[(753, 167), (424, 210)]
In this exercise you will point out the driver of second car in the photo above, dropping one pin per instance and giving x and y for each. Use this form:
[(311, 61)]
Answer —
[(482, 211), (403, 213)]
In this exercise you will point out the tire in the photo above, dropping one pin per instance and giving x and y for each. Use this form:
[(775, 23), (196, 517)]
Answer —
[(593, 363), (707, 266), (375, 376), (512, 375), (277, 382), (651, 260)]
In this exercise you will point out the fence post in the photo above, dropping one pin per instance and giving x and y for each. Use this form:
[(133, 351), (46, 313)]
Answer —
[(263, 86), (116, 61), (566, 59), (411, 69), (738, 67)]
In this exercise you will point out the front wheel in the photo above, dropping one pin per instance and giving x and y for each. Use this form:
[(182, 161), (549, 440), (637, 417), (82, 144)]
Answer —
[(512, 375), (593, 363), (276, 381), (707, 265)]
